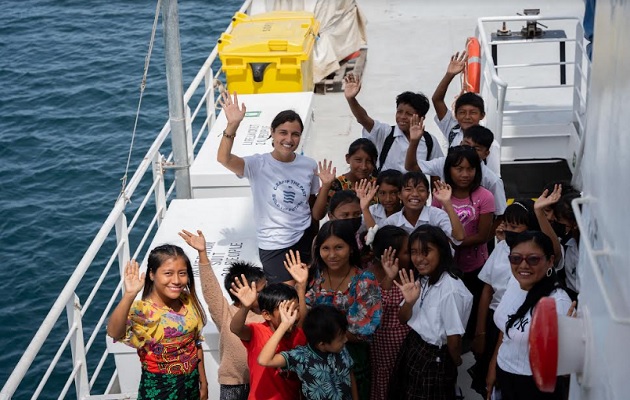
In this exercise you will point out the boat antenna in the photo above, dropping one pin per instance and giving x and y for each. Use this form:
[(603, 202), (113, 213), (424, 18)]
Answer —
[(143, 85)]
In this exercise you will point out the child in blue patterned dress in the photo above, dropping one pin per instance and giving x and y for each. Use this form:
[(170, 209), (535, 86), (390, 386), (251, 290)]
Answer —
[(324, 365)]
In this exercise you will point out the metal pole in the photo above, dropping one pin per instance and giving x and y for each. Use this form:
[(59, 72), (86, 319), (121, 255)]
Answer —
[(172, 53)]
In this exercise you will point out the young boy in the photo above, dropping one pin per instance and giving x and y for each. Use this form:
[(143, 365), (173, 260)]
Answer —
[(389, 184), (233, 373), (266, 383), (392, 151), (416, 211), (477, 137), (324, 365), (469, 111)]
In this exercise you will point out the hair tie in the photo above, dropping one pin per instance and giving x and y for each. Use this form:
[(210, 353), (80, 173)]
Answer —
[(371, 233), (521, 204)]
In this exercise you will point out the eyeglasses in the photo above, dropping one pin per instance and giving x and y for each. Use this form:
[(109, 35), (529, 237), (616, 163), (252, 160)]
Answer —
[(531, 260)]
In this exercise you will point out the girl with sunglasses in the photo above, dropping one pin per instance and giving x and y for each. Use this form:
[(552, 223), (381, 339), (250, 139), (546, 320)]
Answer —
[(532, 262)]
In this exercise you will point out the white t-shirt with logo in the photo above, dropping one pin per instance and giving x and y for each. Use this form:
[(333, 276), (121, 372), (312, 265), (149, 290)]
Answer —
[(281, 191), (513, 354)]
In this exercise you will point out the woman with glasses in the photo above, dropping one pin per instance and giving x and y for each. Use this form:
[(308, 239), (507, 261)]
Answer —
[(532, 262)]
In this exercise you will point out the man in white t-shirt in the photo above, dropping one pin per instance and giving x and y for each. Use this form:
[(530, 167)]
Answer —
[(392, 141)]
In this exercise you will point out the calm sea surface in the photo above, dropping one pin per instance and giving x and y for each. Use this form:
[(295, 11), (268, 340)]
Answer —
[(70, 74)]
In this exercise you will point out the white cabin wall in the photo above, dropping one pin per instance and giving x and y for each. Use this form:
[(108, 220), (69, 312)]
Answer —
[(606, 180)]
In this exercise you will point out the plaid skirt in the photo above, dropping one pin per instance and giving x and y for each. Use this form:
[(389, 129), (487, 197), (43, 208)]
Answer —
[(422, 371), (168, 386)]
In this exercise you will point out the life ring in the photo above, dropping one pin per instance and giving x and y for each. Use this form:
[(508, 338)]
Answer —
[(472, 72)]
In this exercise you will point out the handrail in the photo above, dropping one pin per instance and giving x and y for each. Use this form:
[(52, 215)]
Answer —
[(40, 337)]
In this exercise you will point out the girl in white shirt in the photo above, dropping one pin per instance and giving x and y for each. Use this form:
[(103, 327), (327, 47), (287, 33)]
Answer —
[(531, 258), (436, 307), (283, 184)]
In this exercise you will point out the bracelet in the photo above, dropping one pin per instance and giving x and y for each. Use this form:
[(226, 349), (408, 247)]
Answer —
[(232, 136)]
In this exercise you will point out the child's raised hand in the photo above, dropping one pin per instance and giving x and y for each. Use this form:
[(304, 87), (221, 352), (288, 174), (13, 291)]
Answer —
[(245, 292), (233, 113), (500, 231), (134, 282), (546, 199), (288, 313), (326, 172), (365, 191), (457, 63), (416, 128), (352, 87), (197, 242), (442, 192), (295, 266), (390, 263), (409, 287)]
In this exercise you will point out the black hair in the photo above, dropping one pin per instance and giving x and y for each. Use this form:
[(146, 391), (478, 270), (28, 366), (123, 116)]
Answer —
[(323, 323), (455, 157), (342, 197), (286, 116), (157, 257), (252, 273), (367, 146), (341, 228), (542, 288), (417, 101), (521, 212), (391, 177), (480, 135), (470, 99), (563, 209), (414, 178), (386, 237), (273, 294), (426, 234), (566, 187)]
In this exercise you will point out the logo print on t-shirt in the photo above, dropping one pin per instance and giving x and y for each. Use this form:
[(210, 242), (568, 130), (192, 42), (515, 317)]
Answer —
[(521, 324), (288, 195), (465, 213)]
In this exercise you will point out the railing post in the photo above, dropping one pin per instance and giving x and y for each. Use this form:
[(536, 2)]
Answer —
[(122, 234), (577, 75), (210, 110), (160, 191), (77, 346)]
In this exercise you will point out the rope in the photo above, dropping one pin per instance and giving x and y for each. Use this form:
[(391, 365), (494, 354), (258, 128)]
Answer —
[(143, 85)]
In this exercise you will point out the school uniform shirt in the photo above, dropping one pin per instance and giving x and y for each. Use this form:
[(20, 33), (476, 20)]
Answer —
[(454, 136), (396, 157), (497, 272), (513, 354), (378, 213), (570, 259), (324, 375), (442, 310), (429, 215), (281, 191), (469, 211), (489, 180), (271, 383)]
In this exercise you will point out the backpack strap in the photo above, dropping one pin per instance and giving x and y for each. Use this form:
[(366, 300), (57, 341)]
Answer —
[(387, 145), (428, 140)]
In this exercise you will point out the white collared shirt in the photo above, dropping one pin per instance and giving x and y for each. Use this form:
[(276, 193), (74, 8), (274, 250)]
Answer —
[(429, 215), (378, 213), (489, 180), (497, 272), (396, 156), (443, 312), (513, 354)]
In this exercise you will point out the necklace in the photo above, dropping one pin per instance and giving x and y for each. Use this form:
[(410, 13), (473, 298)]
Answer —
[(424, 290), (340, 283)]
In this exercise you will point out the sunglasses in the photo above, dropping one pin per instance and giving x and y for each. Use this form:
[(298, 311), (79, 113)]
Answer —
[(531, 260)]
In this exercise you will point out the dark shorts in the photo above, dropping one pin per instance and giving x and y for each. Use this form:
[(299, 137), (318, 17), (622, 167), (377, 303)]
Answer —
[(234, 392), (273, 260), (523, 387)]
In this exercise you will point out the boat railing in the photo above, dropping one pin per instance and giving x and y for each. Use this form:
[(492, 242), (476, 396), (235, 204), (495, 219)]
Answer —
[(494, 89), (122, 235)]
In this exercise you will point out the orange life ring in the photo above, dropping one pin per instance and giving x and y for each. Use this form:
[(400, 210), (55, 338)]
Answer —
[(472, 72)]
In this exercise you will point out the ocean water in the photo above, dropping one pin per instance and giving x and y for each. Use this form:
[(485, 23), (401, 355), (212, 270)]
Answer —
[(70, 74)]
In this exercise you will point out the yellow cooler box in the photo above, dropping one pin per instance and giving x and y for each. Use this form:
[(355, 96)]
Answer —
[(270, 52)]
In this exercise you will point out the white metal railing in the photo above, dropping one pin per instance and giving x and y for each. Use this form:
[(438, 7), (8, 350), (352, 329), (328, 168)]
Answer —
[(114, 227), (494, 89)]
